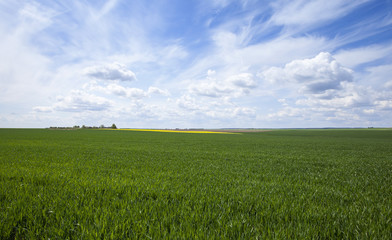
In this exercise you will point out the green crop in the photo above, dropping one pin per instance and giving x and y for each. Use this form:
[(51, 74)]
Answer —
[(283, 184)]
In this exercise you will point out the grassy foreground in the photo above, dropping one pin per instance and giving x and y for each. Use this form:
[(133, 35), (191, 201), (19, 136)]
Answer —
[(90, 184)]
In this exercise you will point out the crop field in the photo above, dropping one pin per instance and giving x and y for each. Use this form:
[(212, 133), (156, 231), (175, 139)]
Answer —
[(114, 184)]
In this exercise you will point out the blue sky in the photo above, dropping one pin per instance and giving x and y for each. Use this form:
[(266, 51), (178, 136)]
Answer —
[(196, 64)]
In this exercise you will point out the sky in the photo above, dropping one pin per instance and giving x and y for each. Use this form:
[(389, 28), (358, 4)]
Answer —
[(196, 63)]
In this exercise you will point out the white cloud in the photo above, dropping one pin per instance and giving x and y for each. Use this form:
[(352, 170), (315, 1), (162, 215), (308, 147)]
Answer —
[(135, 93), (286, 112), (125, 92), (231, 56), (338, 115), (380, 76), (225, 39), (24, 71), (388, 85), (77, 101), (348, 97), (354, 57), (158, 91), (369, 111), (44, 109), (116, 89), (243, 80), (231, 87), (384, 104), (187, 102), (211, 73), (307, 13), (315, 75), (244, 111), (325, 93), (317, 117), (107, 7), (174, 51), (114, 71), (35, 17), (269, 53), (210, 89)]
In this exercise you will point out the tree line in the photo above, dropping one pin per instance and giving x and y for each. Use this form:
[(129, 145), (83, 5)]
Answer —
[(86, 127)]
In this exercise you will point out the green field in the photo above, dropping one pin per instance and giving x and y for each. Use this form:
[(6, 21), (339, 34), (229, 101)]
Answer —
[(284, 184)]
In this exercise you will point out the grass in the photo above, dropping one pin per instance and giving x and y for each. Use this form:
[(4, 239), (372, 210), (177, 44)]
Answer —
[(89, 184)]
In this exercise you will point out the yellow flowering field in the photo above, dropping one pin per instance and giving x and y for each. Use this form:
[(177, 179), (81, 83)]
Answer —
[(177, 131)]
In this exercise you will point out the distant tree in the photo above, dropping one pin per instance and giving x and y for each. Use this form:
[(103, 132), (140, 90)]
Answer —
[(102, 126), (114, 126), (84, 126)]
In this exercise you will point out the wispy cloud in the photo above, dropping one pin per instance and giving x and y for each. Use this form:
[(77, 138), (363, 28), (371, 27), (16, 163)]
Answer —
[(306, 14)]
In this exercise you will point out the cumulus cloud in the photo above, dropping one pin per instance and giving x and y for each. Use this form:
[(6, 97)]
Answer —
[(220, 109), (243, 80), (118, 90), (135, 93), (125, 92), (287, 112), (158, 91), (77, 101), (328, 93), (316, 75), (244, 111), (114, 71), (210, 89), (349, 97), (233, 86), (187, 102)]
